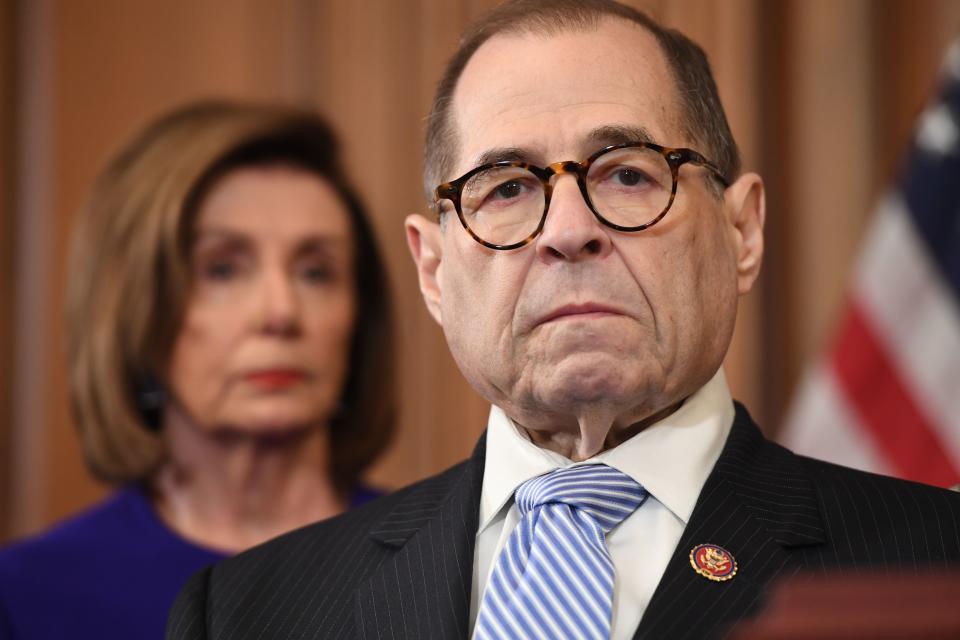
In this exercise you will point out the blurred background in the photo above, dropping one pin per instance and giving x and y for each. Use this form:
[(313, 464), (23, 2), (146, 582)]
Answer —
[(822, 96)]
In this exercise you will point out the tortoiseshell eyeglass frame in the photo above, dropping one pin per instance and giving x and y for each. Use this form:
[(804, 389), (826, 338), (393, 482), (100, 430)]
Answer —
[(675, 157)]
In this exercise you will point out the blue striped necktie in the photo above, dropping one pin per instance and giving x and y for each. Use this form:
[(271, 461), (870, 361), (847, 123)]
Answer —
[(554, 576)]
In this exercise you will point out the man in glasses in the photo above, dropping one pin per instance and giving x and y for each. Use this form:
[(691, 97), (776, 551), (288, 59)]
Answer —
[(592, 233)]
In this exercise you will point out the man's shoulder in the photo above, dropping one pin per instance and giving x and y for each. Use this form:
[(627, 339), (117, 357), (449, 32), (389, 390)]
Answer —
[(829, 479), (307, 583), (883, 521), (838, 484), (865, 517), (344, 548), (424, 496)]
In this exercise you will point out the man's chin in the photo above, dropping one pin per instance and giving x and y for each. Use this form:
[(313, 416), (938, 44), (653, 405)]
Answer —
[(573, 387)]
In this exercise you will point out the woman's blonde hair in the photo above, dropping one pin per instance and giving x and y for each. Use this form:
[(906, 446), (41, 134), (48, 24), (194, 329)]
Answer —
[(129, 279)]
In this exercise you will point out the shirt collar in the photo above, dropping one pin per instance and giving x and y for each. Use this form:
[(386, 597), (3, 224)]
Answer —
[(671, 458)]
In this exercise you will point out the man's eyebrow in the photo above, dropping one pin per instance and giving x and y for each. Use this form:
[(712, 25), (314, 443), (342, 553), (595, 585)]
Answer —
[(618, 134), (600, 137), (503, 154)]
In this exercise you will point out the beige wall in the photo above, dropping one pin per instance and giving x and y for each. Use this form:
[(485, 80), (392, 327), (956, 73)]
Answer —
[(7, 48), (820, 93)]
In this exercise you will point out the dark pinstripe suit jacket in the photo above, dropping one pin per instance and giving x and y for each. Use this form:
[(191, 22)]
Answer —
[(401, 567)]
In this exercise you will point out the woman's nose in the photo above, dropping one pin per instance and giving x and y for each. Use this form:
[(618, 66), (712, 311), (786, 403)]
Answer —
[(278, 304)]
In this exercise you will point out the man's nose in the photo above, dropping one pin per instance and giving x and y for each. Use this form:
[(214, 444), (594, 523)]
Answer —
[(278, 304), (571, 232)]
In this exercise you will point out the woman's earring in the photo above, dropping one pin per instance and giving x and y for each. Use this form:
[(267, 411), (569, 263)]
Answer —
[(150, 397)]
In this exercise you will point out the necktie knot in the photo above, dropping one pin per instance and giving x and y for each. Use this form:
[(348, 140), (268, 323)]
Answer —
[(554, 577), (601, 492)]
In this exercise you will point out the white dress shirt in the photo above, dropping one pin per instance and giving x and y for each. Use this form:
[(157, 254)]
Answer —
[(671, 459)]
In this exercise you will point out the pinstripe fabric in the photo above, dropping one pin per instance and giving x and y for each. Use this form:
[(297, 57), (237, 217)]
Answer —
[(401, 567), (554, 578), (780, 514)]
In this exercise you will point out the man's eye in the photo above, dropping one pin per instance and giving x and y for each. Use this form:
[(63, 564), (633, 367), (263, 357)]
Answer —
[(508, 190), (629, 177)]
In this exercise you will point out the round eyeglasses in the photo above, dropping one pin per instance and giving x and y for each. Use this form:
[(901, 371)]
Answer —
[(628, 187)]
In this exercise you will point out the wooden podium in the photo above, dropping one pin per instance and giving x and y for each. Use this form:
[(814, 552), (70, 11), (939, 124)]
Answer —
[(867, 605)]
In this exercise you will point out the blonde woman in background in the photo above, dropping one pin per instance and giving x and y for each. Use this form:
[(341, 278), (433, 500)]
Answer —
[(229, 341)]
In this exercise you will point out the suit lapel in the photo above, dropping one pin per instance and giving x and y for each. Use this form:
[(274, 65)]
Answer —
[(757, 503), (423, 590), (760, 506)]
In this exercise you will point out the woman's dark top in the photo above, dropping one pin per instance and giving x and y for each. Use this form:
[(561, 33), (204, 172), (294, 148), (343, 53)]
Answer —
[(112, 571)]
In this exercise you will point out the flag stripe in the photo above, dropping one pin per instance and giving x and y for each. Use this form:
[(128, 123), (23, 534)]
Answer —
[(824, 426), (915, 316), (883, 404)]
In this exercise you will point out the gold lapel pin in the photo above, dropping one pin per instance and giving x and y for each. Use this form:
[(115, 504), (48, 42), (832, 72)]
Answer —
[(713, 562)]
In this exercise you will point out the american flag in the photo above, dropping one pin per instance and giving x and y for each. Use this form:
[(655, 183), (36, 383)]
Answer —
[(885, 397)]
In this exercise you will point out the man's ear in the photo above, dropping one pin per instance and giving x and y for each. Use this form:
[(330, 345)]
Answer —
[(426, 247), (746, 206)]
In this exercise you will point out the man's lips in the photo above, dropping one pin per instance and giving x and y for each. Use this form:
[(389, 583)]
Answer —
[(578, 311), (275, 378)]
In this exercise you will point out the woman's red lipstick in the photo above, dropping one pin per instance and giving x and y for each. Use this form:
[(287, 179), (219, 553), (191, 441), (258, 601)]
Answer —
[(275, 378)]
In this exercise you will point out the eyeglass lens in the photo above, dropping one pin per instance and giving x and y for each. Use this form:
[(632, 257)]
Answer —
[(629, 187)]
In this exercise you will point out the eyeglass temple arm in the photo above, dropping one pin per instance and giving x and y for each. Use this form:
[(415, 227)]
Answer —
[(691, 156)]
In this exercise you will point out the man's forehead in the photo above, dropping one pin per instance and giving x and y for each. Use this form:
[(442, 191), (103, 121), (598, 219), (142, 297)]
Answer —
[(564, 93)]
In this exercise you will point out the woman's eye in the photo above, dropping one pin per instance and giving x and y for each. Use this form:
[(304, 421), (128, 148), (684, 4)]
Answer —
[(220, 271), (318, 273)]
